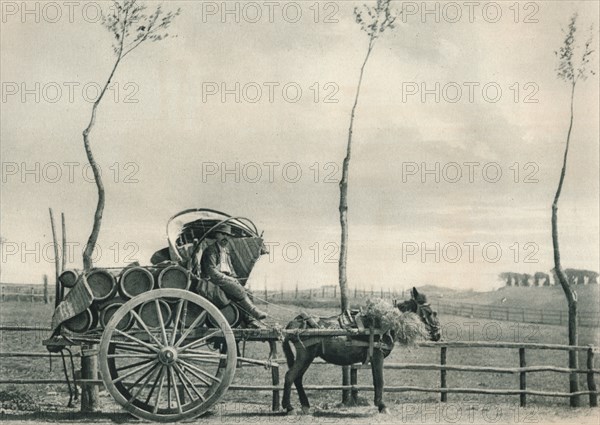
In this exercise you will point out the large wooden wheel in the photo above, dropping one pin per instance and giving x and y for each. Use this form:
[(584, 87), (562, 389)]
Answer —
[(173, 371)]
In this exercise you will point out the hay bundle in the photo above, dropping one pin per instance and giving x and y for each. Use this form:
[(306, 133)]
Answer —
[(406, 328)]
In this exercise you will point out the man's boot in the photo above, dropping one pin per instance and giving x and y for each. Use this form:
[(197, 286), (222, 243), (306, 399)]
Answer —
[(251, 309)]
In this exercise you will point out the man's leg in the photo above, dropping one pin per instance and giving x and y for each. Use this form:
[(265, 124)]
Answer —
[(238, 294)]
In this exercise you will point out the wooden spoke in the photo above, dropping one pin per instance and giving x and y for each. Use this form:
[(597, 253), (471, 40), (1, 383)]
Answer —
[(198, 342), (134, 371), (195, 323), (163, 330), (194, 355), (204, 361), (141, 388), (158, 393), (146, 375), (205, 352), (185, 379), (132, 356), (145, 327), (176, 322), (200, 371), (126, 346), (184, 318), (175, 390), (140, 342), (129, 366), (160, 372), (168, 388), (199, 377)]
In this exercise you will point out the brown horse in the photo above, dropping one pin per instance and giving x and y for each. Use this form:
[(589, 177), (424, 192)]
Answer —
[(345, 351)]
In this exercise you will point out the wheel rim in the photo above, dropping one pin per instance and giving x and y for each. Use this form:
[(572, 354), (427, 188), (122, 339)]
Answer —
[(168, 373)]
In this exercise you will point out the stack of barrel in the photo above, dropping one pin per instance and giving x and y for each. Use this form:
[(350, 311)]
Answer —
[(111, 288)]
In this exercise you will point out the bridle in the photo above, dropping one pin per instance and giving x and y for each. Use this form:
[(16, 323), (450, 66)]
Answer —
[(424, 311)]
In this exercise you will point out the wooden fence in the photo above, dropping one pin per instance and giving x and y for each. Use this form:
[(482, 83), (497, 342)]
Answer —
[(351, 387), (515, 314), (28, 293), (493, 312)]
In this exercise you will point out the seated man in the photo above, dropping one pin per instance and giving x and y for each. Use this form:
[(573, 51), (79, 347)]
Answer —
[(216, 266)]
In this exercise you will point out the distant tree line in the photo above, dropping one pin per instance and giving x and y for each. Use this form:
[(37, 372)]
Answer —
[(574, 276)]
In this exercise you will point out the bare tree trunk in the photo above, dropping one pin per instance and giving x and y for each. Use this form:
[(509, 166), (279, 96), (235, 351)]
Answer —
[(562, 277), (91, 243), (343, 208)]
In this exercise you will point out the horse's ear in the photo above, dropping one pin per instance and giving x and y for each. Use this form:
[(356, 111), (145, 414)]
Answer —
[(414, 293)]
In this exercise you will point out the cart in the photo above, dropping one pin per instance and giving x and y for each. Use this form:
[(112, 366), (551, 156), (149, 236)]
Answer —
[(165, 352)]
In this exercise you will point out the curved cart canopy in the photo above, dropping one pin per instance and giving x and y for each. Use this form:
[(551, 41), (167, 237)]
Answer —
[(193, 226)]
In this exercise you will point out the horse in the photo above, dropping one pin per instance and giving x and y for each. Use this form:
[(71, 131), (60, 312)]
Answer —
[(345, 351)]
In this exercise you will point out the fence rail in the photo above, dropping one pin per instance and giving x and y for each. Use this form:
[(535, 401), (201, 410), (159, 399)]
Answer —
[(350, 375), (515, 314)]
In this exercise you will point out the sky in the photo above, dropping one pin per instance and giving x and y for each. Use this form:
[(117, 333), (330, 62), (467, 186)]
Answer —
[(458, 138)]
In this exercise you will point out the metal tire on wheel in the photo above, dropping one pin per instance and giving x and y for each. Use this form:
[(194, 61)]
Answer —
[(164, 374)]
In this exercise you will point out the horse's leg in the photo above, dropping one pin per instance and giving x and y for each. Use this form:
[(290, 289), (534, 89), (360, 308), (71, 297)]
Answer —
[(310, 354), (377, 369), (294, 367), (290, 376)]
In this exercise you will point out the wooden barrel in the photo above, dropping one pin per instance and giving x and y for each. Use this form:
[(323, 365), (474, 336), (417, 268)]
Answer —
[(107, 313), (68, 278), (189, 313), (135, 281), (83, 322), (174, 277), (102, 283), (149, 313), (231, 313)]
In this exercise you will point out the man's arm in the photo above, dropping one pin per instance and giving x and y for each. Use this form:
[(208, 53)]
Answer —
[(210, 266)]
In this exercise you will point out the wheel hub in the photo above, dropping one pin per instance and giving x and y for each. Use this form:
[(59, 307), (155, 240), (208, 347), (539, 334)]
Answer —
[(167, 355)]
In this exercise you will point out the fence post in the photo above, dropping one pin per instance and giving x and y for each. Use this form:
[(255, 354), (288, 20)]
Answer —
[(32, 291), (323, 292), (507, 313), (444, 394), (345, 381), (46, 289), (266, 294), (89, 370), (523, 314), (296, 295), (522, 377), (355, 292), (2, 292), (275, 380), (354, 382), (590, 378)]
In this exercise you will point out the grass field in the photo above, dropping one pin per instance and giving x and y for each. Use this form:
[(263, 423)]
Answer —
[(454, 329)]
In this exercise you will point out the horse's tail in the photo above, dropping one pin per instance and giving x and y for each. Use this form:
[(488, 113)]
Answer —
[(287, 350)]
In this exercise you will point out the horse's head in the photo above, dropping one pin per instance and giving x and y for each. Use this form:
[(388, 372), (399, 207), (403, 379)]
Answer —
[(418, 304)]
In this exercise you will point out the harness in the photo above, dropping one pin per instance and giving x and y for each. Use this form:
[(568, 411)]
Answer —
[(347, 320)]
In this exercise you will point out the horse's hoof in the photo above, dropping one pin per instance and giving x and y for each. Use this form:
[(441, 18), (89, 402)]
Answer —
[(384, 410), (288, 410), (305, 410)]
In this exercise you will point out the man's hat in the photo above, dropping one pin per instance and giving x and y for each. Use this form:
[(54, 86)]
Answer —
[(225, 229)]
